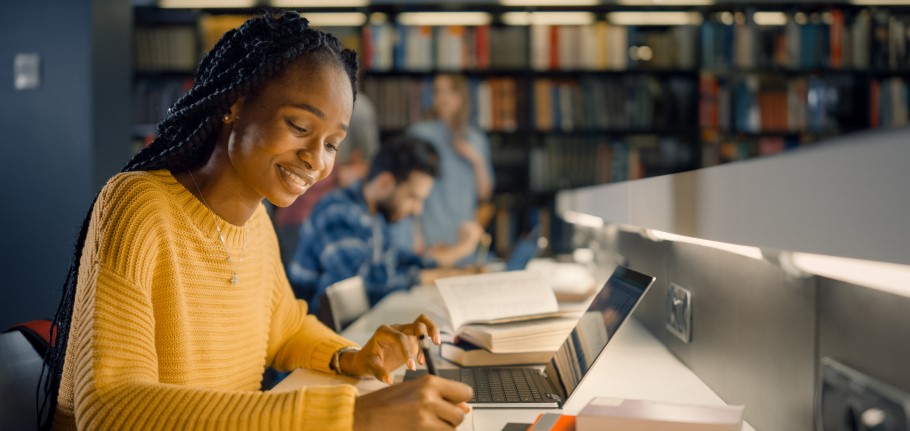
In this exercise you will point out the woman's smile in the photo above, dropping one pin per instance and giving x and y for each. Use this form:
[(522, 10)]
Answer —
[(297, 182)]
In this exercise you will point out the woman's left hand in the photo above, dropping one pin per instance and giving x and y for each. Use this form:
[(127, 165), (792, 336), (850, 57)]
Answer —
[(389, 348)]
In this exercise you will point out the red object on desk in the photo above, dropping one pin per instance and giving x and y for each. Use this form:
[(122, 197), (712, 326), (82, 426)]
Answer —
[(553, 422)]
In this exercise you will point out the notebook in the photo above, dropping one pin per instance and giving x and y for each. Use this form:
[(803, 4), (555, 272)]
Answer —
[(523, 387)]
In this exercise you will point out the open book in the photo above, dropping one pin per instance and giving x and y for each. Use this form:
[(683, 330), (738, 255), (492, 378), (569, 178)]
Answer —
[(506, 312)]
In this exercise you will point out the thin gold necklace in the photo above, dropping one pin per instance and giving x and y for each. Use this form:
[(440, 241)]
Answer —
[(234, 279)]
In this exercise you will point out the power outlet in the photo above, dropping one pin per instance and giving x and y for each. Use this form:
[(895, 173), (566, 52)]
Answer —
[(678, 312), (849, 400)]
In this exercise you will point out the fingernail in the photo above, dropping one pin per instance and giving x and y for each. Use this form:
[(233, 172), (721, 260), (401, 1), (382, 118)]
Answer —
[(436, 338), (421, 360), (411, 365)]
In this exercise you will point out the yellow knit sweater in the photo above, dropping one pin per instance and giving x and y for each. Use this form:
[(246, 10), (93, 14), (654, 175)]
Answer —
[(161, 339)]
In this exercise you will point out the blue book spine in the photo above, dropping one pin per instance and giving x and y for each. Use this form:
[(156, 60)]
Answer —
[(728, 47), (554, 106), (707, 46), (399, 50)]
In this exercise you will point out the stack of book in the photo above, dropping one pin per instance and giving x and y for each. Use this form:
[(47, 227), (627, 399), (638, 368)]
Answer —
[(507, 318)]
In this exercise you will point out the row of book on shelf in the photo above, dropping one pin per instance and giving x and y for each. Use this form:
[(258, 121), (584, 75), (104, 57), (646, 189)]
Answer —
[(831, 39), (565, 162), (386, 47), (868, 38), (756, 103), (598, 46), (731, 149), (889, 101), (818, 43), (751, 103), (152, 98), (871, 39), (166, 48), (586, 103), (178, 46), (545, 163)]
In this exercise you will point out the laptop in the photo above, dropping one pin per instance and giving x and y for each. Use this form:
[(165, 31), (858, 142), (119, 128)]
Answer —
[(526, 387)]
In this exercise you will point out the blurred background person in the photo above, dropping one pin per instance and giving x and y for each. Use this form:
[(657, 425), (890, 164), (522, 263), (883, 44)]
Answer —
[(465, 172), (347, 233)]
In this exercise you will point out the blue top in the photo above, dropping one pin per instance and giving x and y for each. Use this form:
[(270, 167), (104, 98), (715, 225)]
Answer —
[(453, 199), (341, 239)]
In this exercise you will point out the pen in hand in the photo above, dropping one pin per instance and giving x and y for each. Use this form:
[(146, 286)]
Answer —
[(426, 355)]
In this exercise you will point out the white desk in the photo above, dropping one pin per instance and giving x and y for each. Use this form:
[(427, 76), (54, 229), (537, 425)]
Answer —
[(634, 365)]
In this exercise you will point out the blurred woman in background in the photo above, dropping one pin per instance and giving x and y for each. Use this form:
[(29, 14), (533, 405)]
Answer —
[(466, 172)]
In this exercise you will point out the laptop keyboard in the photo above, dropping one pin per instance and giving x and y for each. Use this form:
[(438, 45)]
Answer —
[(502, 384)]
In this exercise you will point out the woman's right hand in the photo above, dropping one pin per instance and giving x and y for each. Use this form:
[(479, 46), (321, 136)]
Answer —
[(426, 403)]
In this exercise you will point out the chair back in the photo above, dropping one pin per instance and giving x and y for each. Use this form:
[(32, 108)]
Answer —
[(343, 302), (20, 367)]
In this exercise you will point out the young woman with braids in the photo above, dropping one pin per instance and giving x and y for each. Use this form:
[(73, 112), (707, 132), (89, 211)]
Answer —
[(176, 299)]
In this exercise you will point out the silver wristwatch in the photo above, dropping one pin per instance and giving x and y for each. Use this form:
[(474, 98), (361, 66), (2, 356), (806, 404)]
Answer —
[(335, 364)]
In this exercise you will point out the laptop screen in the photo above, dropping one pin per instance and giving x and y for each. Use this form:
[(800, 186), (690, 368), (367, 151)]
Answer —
[(524, 250), (609, 309)]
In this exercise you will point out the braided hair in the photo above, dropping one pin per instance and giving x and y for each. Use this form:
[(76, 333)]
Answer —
[(241, 61)]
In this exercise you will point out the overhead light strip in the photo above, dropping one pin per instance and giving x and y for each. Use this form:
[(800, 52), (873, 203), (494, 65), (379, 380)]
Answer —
[(654, 18), (880, 2), (770, 18), (319, 3), (340, 19), (548, 18), (444, 18), (549, 2), (665, 2), (206, 4)]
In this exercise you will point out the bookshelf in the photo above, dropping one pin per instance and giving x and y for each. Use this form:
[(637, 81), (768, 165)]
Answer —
[(576, 105)]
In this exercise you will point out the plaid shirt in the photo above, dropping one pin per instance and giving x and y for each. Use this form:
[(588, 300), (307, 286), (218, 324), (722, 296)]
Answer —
[(341, 239)]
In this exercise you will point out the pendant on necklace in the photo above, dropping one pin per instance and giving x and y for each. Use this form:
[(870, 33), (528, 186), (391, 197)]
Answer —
[(234, 280)]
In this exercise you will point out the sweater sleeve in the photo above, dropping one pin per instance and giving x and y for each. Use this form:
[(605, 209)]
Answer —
[(117, 386), (298, 339)]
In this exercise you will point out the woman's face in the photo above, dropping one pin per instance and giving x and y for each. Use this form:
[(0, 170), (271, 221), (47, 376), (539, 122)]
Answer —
[(446, 101), (285, 136)]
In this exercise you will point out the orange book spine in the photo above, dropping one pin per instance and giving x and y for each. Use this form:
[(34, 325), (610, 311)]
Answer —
[(553, 422), (554, 47), (837, 43), (482, 34)]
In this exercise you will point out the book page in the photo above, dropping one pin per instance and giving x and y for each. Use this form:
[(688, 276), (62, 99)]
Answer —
[(491, 297)]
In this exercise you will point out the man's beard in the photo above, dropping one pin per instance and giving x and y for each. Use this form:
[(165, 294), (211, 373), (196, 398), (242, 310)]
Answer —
[(387, 210)]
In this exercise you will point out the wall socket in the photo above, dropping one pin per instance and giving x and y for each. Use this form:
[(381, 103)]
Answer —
[(849, 400), (678, 312), (27, 71)]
